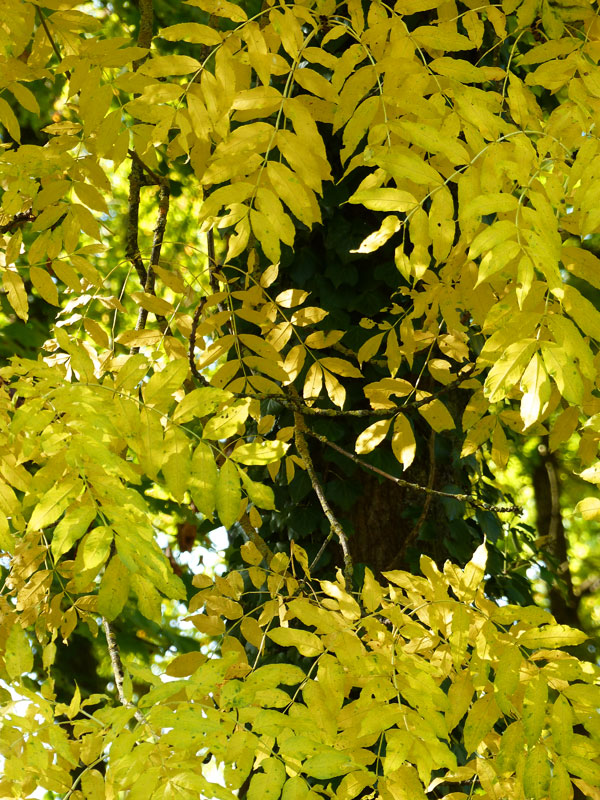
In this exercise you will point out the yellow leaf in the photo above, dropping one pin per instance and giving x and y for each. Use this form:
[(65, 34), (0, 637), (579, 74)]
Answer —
[(437, 416), (507, 371), (322, 339), (203, 479), (390, 225), (294, 361), (461, 70), (191, 32), (580, 309), (441, 223), (564, 371), (259, 452), (54, 502), (158, 392), (534, 708), (15, 291), (491, 203), (200, 403), (265, 230), (294, 193), (384, 199), (313, 382), (589, 507), (44, 284), (261, 97), (434, 38), (536, 773), (492, 235), (433, 140), (114, 589), (18, 657), (561, 787), (167, 66), (307, 644), (291, 297), (340, 366), (536, 389), (150, 302), (474, 572), (403, 165), (551, 636), (403, 441), (357, 126), (335, 390), (228, 422), (480, 721), (95, 547), (71, 528), (310, 315), (372, 436), (221, 8), (9, 120), (315, 83), (228, 494)]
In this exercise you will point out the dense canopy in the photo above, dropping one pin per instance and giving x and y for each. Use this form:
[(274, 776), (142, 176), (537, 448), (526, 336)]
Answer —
[(323, 276)]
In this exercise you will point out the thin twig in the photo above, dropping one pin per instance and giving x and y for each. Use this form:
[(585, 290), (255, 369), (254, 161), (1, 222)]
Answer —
[(192, 343), (464, 498), (304, 452), (117, 668), (159, 232), (322, 549), (53, 44)]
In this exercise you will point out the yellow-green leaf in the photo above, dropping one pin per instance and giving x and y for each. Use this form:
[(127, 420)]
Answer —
[(307, 643), (71, 528), (228, 494), (18, 657)]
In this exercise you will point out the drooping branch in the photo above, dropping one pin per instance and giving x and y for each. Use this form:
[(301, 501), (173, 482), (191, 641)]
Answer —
[(302, 447), (117, 668), (464, 498)]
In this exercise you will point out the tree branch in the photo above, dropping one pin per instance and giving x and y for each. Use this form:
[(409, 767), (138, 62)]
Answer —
[(117, 668), (295, 404), (465, 498), (302, 447)]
